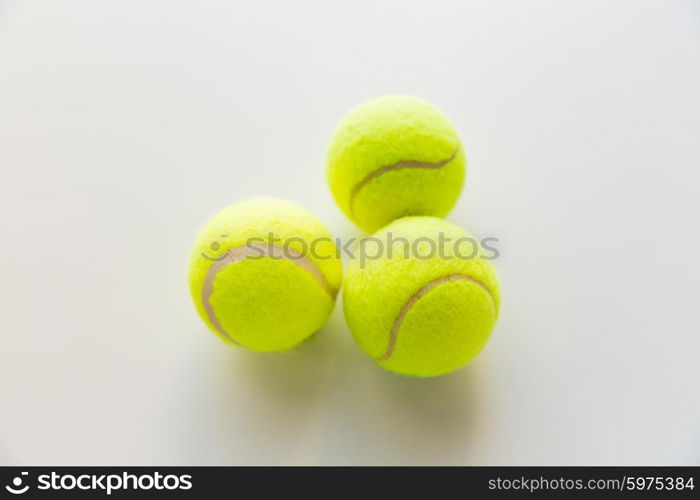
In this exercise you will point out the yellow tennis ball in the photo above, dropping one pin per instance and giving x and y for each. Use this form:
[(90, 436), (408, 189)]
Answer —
[(395, 156), (264, 274), (421, 299)]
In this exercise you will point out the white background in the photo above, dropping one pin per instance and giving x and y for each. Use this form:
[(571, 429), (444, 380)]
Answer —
[(124, 125)]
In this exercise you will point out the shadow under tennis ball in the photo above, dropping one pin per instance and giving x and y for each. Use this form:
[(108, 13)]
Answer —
[(229, 405), (373, 416)]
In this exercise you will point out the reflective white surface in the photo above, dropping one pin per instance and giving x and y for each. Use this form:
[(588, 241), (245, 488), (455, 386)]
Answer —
[(124, 125)]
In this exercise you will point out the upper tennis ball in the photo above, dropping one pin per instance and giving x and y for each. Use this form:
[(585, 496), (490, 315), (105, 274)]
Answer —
[(421, 299), (264, 274), (395, 156)]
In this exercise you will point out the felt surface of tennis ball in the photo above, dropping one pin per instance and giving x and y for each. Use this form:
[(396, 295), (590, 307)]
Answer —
[(419, 311), (264, 274), (395, 156)]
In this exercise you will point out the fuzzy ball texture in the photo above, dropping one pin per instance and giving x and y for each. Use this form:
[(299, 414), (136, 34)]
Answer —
[(427, 307), (395, 156), (264, 274)]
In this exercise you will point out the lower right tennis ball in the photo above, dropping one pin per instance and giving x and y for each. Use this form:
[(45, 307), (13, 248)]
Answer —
[(420, 298)]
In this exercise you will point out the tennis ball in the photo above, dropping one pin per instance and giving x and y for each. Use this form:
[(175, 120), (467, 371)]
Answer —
[(264, 274), (395, 156), (423, 300)]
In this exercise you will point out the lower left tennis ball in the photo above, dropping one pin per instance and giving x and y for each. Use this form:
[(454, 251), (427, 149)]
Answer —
[(264, 274)]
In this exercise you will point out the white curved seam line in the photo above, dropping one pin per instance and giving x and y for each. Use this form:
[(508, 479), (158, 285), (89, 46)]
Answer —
[(393, 335), (396, 166), (237, 254)]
